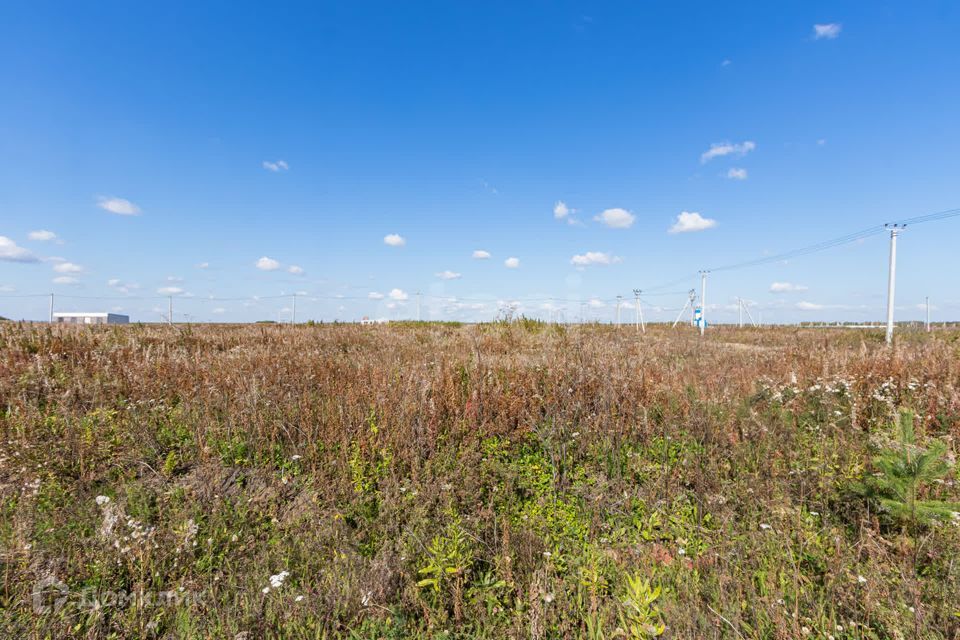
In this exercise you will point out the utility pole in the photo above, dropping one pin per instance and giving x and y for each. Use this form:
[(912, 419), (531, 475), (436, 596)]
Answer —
[(418, 306), (51, 310), (895, 230), (641, 325), (170, 311), (692, 294), (740, 312), (619, 300), (293, 315), (928, 314), (703, 301)]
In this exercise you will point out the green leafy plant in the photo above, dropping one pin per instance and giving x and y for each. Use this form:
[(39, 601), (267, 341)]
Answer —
[(640, 617), (450, 557)]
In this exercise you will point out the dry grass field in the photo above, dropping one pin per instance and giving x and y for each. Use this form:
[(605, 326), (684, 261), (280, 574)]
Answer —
[(491, 481)]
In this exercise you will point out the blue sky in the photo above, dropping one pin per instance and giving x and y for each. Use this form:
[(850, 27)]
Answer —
[(171, 147)]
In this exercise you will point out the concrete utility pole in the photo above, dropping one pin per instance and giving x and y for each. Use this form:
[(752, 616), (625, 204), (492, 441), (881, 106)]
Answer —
[(928, 314), (703, 301), (51, 309), (293, 314), (692, 294), (740, 311), (619, 300), (170, 311), (641, 325), (418, 306), (895, 230)]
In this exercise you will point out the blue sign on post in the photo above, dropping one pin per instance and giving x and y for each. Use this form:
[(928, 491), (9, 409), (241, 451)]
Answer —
[(698, 316)]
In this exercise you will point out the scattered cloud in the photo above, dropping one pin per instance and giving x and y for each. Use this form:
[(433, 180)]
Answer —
[(65, 280), (203, 265), (121, 286), (821, 142), (596, 303), (720, 149), (296, 270), (219, 310), (67, 267), (726, 63), (480, 254), (10, 251), (828, 31), (489, 187), (398, 294), (375, 295), (42, 235), (786, 287), (267, 264), (809, 306), (394, 240), (7, 288), (688, 221), (448, 275), (593, 258), (616, 218), (561, 210), (169, 291), (736, 173), (511, 263), (119, 206), (275, 167)]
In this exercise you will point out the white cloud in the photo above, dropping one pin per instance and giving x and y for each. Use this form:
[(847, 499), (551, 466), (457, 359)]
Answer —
[(169, 291), (595, 303), (67, 267), (375, 295), (279, 165), (809, 306), (7, 288), (398, 294), (42, 235), (122, 287), (616, 218), (511, 263), (736, 173), (394, 240), (786, 287), (726, 63), (203, 265), (295, 270), (219, 310), (821, 142), (480, 254), (562, 212), (827, 31), (10, 251), (720, 149), (267, 264), (65, 280), (688, 221), (593, 258), (448, 275), (119, 206)]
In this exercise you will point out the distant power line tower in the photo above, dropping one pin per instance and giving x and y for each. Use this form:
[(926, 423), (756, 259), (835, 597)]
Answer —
[(619, 302), (641, 326), (703, 301)]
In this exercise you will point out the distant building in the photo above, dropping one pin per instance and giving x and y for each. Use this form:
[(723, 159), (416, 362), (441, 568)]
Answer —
[(96, 317)]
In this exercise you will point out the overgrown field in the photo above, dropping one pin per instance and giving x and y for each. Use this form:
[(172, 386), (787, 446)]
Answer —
[(491, 481)]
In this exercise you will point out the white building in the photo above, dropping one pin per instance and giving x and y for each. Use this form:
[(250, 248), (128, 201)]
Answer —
[(96, 317)]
